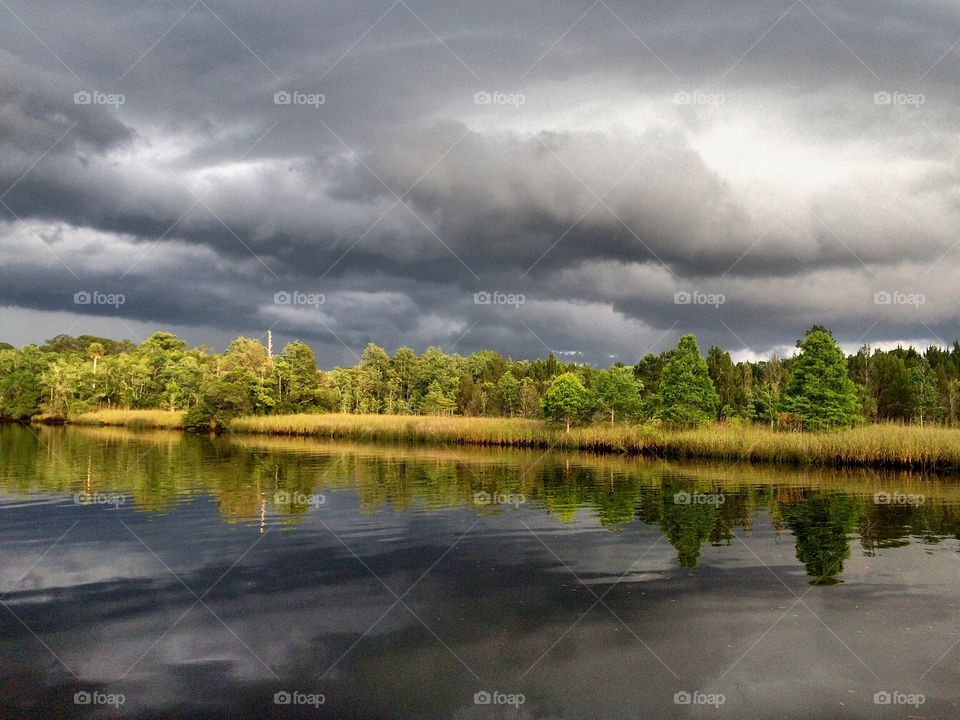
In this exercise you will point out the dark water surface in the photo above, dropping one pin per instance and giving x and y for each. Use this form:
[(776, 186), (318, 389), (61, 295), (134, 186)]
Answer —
[(155, 575)]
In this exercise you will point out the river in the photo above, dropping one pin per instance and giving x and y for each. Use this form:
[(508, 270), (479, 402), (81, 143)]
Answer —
[(160, 575)]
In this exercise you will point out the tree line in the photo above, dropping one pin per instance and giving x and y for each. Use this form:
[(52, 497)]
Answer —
[(818, 388)]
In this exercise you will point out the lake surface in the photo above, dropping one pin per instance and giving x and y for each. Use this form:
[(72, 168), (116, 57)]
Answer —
[(157, 575)]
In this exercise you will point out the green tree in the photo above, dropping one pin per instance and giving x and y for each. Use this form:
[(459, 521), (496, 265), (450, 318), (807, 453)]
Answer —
[(436, 401), (65, 344), (298, 386), (401, 378), (20, 389), (893, 388), (728, 382), (618, 391), (686, 396), (95, 351), (529, 398), (925, 396), (239, 386), (764, 401), (566, 400), (820, 391), (373, 378), (436, 366), (649, 371), (508, 394)]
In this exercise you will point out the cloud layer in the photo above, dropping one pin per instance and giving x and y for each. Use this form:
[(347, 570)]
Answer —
[(632, 173)]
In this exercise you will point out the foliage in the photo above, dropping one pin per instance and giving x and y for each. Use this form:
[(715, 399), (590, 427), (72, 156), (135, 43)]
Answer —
[(686, 397), (820, 391), (618, 392), (730, 381), (566, 400), (68, 376)]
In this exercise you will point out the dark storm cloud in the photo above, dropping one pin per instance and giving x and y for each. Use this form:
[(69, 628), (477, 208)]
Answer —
[(627, 154)]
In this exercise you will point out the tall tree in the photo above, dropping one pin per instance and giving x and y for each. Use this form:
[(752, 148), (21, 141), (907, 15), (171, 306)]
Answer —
[(529, 398), (95, 351), (925, 400), (686, 396), (893, 394), (508, 394), (727, 381), (298, 387), (820, 391)]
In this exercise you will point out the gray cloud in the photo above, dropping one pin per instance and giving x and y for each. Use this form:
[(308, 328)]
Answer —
[(637, 153)]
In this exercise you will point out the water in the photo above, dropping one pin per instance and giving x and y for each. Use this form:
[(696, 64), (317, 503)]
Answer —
[(155, 575)]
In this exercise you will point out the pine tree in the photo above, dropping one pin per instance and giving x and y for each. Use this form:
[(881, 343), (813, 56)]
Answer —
[(820, 391), (686, 396)]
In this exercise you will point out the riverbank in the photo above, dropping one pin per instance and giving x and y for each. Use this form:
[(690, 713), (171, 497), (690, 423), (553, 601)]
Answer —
[(880, 446)]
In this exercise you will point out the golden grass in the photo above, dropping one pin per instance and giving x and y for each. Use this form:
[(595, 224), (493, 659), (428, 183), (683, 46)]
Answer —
[(887, 445), (506, 432), (162, 419), (881, 445), (884, 445)]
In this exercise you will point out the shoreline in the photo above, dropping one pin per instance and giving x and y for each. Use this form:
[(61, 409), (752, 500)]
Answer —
[(880, 446)]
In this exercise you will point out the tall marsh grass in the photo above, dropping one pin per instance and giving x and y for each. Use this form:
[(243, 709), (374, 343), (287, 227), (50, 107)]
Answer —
[(160, 419), (886, 445)]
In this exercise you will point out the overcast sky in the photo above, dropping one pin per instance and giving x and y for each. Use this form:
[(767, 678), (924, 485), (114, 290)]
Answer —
[(611, 175)]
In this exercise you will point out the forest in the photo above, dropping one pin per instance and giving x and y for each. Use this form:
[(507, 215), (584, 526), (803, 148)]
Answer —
[(818, 388)]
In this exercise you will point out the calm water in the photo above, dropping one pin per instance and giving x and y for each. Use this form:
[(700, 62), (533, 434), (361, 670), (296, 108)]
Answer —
[(156, 575)]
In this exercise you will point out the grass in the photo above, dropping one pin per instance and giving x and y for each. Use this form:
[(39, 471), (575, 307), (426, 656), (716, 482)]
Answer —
[(502, 432), (886, 445), (148, 419)]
